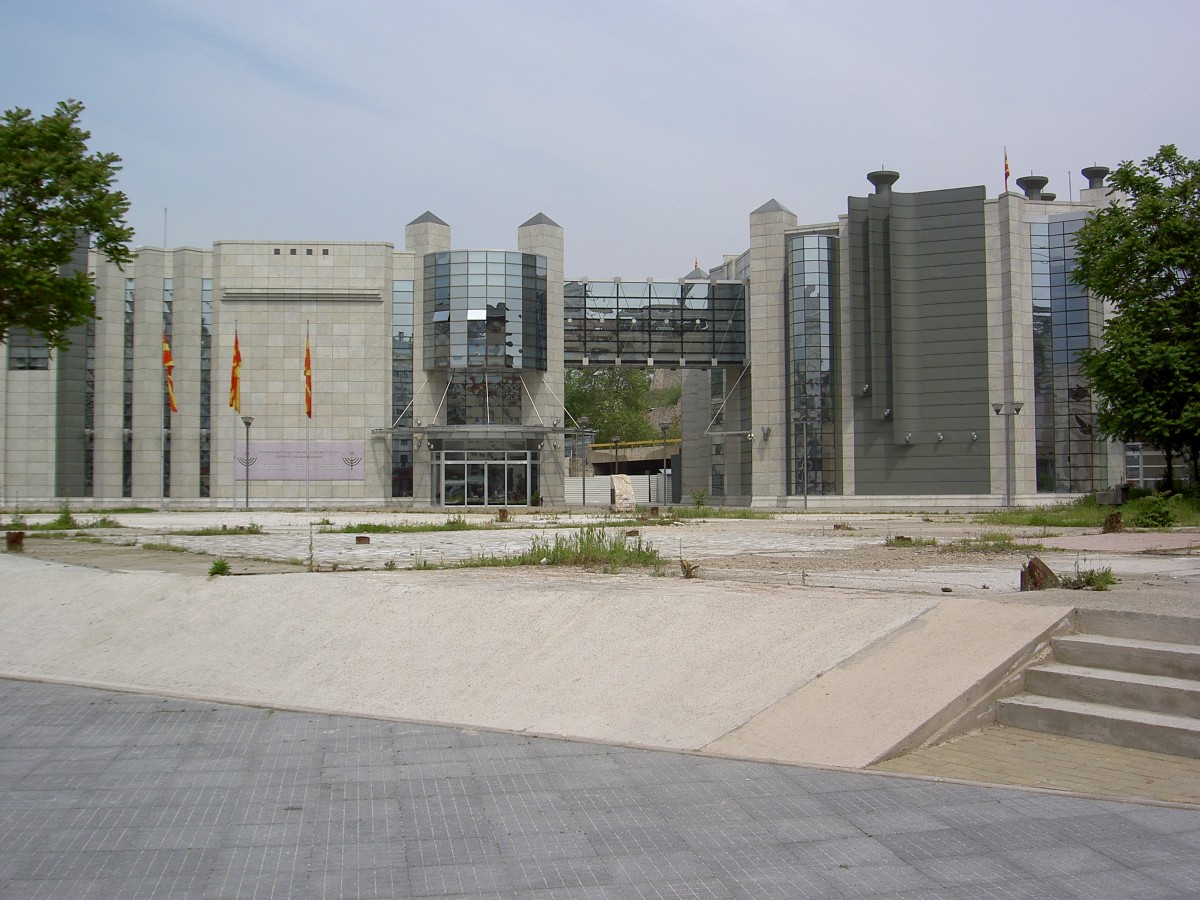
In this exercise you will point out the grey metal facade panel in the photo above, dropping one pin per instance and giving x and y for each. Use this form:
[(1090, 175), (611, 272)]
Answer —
[(918, 294)]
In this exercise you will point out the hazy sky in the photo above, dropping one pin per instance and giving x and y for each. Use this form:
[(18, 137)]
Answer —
[(649, 130)]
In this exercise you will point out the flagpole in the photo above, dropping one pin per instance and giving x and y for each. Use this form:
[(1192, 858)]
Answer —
[(307, 408), (162, 441), (237, 408)]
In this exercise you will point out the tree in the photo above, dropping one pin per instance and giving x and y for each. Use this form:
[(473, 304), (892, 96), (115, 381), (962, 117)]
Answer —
[(52, 193), (1142, 253), (615, 401)]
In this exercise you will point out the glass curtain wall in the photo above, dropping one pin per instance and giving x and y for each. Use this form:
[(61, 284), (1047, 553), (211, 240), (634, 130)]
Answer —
[(402, 387), (206, 323), (127, 393), (651, 323), (812, 286), (485, 309), (1070, 456), (168, 295)]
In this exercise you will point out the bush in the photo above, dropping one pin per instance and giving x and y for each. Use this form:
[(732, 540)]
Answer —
[(219, 567), (1153, 511)]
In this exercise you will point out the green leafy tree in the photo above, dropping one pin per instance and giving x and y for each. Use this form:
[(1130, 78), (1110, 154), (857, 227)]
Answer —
[(1142, 253), (614, 400), (52, 192)]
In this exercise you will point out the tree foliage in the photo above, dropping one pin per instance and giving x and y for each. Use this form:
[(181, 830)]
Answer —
[(614, 400), (1142, 253), (52, 192)]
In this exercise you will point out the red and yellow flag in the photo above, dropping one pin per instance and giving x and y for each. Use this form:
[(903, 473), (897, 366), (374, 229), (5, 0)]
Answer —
[(235, 378), (169, 365), (307, 379)]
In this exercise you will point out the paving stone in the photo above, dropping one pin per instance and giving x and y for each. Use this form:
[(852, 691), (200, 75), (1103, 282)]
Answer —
[(263, 803)]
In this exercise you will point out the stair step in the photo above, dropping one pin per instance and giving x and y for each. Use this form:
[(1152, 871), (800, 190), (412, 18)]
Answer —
[(1128, 655), (1140, 626), (1154, 693), (1157, 732)]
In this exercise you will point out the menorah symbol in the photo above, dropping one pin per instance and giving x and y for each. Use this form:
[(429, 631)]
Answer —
[(352, 461), (247, 461)]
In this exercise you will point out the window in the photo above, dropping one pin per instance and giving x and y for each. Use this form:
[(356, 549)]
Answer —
[(27, 350)]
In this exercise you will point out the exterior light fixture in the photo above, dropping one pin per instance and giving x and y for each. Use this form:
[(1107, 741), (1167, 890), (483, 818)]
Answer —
[(908, 438), (941, 437), (766, 432)]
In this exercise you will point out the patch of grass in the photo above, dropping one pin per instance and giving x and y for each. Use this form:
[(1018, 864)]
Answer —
[(1089, 579), (903, 540), (677, 513), (64, 521), (992, 542), (213, 530), (1087, 513), (219, 567), (591, 547), (167, 548), (1081, 513), (454, 523)]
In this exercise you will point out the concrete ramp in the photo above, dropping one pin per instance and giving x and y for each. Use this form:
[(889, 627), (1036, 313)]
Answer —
[(800, 674), (901, 691)]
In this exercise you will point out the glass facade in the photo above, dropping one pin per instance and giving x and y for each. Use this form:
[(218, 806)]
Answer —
[(485, 309), (1070, 456), (484, 398), (402, 387), (168, 297), (89, 409), (206, 324), (127, 393), (654, 323), (812, 300)]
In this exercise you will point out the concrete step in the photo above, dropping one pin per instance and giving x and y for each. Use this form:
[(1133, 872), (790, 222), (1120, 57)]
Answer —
[(1157, 732), (1153, 693), (1140, 626), (1124, 654)]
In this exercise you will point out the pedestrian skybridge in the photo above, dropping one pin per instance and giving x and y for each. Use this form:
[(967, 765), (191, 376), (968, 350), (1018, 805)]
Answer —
[(653, 323)]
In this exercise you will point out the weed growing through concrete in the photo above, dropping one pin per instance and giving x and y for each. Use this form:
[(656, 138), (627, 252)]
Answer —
[(214, 530), (903, 540), (454, 523), (219, 567), (1089, 579), (166, 548), (992, 542)]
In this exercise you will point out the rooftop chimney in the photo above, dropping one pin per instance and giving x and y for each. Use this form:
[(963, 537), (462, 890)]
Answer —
[(1032, 186), (883, 179), (1095, 176)]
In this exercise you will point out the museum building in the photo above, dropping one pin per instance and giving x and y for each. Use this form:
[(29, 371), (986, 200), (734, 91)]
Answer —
[(919, 351)]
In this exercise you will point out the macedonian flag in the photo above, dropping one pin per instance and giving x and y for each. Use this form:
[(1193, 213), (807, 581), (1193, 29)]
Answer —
[(235, 378), (307, 379), (168, 366)]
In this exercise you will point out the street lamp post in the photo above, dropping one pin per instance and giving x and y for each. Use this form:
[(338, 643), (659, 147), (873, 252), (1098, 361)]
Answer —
[(663, 496), (247, 421), (1009, 410), (583, 424), (616, 454)]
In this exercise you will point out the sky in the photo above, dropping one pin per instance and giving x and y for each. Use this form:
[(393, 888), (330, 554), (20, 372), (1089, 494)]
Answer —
[(648, 130)]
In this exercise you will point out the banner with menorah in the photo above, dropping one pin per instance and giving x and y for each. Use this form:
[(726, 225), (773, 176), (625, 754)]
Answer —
[(284, 460)]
